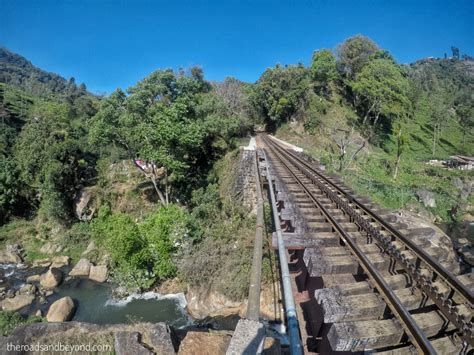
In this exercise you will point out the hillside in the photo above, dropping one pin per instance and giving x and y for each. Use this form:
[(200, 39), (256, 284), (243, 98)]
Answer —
[(17, 71)]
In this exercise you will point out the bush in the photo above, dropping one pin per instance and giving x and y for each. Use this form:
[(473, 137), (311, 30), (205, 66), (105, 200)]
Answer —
[(9, 321), (166, 231), (143, 253)]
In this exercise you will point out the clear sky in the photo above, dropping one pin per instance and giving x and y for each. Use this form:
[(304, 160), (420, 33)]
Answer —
[(114, 43)]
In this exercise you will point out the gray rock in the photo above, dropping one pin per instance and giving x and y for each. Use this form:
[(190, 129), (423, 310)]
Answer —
[(82, 268), (10, 257), (33, 278), (41, 263), (98, 273), (127, 343), (51, 279), (427, 198), (60, 261), (61, 310), (48, 248), (16, 303), (27, 289), (70, 332), (467, 253), (159, 337), (83, 205), (90, 248)]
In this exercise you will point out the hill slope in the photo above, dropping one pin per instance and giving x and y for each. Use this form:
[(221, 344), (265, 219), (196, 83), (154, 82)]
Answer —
[(17, 71)]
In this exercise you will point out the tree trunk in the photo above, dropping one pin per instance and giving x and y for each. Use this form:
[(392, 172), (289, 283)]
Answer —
[(397, 164), (153, 179), (377, 115), (434, 138), (158, 191)]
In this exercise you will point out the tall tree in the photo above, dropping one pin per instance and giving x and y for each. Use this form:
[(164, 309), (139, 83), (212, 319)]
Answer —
[(164, 124), (381, 89), (323, 68), (279, 92), (354, 53)]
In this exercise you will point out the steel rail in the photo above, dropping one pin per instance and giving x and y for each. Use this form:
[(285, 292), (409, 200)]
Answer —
[(428, 259), (445, 304), (290, 309), (418, 337)]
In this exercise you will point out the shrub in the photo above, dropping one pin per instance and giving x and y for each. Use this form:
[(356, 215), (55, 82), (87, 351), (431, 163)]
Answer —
[(143, 253), (9, 321)]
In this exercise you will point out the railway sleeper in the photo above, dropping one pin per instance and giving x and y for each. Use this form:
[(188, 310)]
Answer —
[(360, 302), (318, 265), (297, 241), (321, 252), (376, 334), (444, 345)]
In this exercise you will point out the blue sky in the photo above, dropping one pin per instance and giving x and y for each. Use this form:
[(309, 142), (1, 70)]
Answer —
[(112, 43)]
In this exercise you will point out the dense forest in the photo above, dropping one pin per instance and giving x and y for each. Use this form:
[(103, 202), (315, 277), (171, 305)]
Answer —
[(157, 158)]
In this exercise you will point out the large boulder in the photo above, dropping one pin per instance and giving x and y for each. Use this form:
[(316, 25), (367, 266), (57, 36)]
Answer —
[(157, 338), (200, 343), (427, 198), (41, 263), (202, 303), (82, 268), (128, 343), (27, 289), (51, 279), (18, 302), (10, 257), (62, 310), (84, 204), (33, 278), (91, 247), (60, 261), (98, 273)]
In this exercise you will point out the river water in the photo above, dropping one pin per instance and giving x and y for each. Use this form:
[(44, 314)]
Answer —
[(95, 304)]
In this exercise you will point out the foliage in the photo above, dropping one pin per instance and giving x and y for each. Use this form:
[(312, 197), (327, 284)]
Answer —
[(168, 119), (9, 321), (15, 70), (279, 93), (354, 53), (143, 253), (9, 187), (222, 258), (323, 67), (381, 89), (50, 158)]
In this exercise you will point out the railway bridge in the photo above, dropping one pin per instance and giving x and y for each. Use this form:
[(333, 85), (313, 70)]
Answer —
[(353, 279)]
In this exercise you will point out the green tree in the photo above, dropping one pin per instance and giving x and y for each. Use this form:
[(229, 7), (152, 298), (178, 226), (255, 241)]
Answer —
[(323, 68), (381, 89), (48, 155), (9, 187), (354, 53), (279, 93), (166, 121)]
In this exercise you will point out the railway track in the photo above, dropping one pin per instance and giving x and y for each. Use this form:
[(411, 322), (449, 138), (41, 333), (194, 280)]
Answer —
[(361, 282)]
